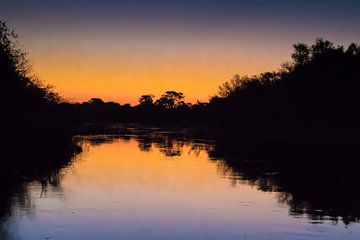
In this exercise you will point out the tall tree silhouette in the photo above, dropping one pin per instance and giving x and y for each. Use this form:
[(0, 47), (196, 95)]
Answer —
[(19, 87), (22, 95)]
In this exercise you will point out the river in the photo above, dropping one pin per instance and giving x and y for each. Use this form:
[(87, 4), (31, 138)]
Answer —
[(140, 187)]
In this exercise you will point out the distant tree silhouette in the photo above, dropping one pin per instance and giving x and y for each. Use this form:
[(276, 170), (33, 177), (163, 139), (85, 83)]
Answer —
[(317, 89), (96, 101), (353, 49), (170, 99), (235, 84), (302, 53), (321, 46), (146, 100)]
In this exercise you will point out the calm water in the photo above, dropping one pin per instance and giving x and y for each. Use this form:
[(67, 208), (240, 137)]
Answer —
[(128, 187)]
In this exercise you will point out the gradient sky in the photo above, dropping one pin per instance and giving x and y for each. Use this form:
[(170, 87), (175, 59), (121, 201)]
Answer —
[(119, 50)]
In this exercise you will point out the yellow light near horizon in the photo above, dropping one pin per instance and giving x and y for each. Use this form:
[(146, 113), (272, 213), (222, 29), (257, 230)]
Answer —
[(124, 73)]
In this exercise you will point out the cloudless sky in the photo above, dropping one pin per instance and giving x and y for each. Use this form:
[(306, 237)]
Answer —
[(119, 50)]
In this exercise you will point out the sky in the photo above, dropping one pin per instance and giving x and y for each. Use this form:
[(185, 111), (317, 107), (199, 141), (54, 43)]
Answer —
[(119, 50)]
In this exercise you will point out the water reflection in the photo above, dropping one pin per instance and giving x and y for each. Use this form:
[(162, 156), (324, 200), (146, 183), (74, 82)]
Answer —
[(151, 182), (321, 183), (318, 195), (33, 166)]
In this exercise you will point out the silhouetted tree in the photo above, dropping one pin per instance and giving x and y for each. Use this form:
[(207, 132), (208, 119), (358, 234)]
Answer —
[(227, 88), (96, 101), (354, 49), (35, 129), (302, 53), (321, 46), (20, 88), (146, 100), (170, 99), (26, 103)]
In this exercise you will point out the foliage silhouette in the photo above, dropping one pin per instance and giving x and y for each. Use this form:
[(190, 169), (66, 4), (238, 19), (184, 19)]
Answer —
[(316, 92), (27, 105), (146, 100), (170, 99)]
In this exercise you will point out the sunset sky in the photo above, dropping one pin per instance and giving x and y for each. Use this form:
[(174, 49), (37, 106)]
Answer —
[(118, 50)]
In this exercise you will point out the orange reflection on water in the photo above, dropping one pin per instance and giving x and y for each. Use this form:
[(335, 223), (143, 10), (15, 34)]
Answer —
[(119, 171), (133, 188)]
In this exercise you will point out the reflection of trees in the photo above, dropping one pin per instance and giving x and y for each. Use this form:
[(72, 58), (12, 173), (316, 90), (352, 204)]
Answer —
[(308, 179), (36, 166), (144, 145), (4, 233), (16, 200), (170, 143), (170, 146), (320, 191), (314, 191), (95, 140)]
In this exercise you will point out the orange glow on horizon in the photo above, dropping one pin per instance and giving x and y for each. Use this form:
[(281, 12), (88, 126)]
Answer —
[(123, 72), (119, 51)]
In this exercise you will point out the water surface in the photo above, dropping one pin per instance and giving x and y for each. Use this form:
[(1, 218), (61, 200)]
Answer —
[(130, 187)]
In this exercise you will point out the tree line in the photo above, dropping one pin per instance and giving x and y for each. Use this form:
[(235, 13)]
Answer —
[(318, 89)]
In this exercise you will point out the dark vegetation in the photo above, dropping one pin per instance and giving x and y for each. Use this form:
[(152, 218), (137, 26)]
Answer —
[(301, 123), (314, 97), (36, 141), (31, 113)]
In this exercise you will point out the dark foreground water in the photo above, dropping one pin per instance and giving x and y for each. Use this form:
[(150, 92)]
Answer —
[(131, 187)]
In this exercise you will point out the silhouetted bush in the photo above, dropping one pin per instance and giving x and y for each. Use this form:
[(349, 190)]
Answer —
[(25, 102), (33, 117), (319, 89)]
